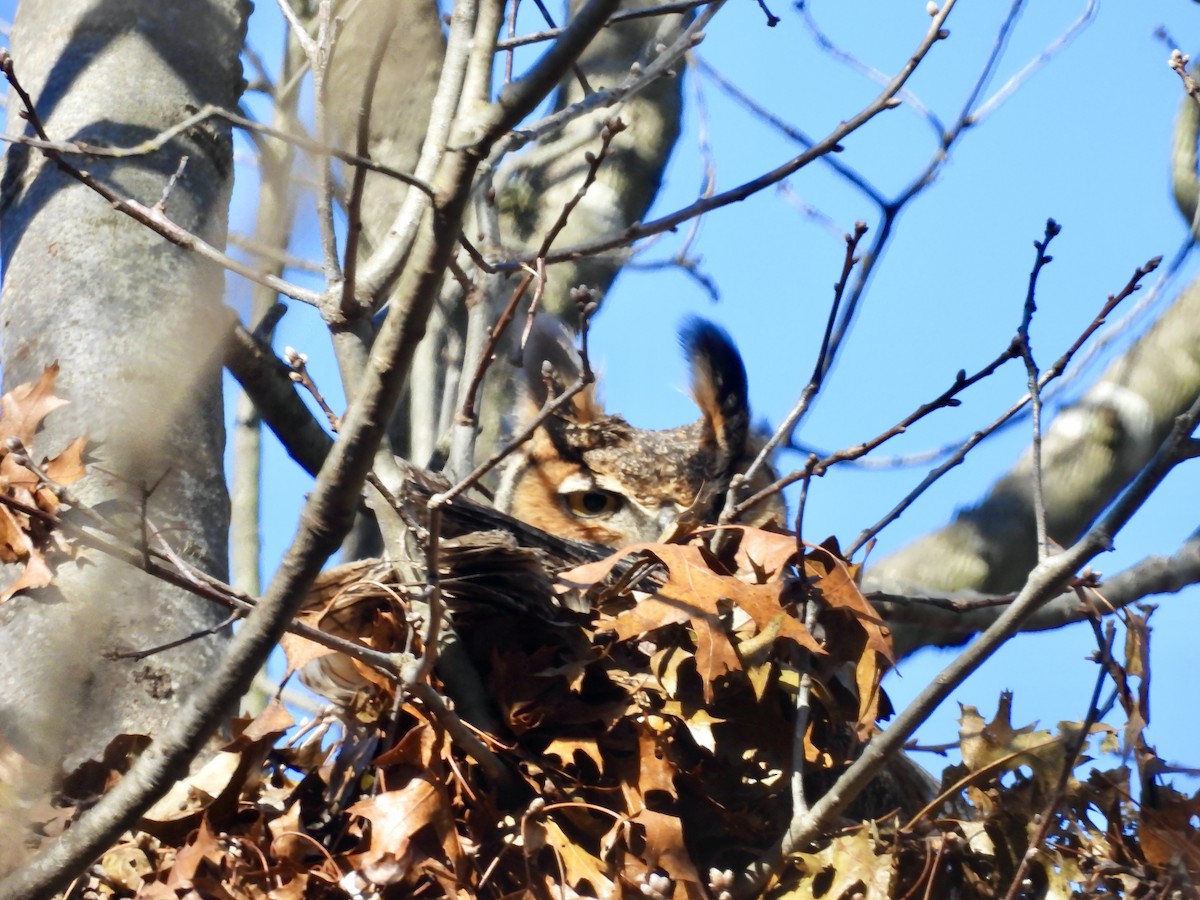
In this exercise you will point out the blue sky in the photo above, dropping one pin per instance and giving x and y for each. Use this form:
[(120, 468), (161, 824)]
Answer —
[(1085, 141)]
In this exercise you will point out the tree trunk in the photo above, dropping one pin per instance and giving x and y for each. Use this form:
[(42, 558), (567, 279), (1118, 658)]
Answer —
[(136, 325), (1090, 452)]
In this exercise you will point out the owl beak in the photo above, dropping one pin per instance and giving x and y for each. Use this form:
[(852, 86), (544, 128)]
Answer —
[(668, 523), (667, 516)]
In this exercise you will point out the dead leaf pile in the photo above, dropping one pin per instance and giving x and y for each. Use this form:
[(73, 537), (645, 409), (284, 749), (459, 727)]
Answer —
[(643, 712)]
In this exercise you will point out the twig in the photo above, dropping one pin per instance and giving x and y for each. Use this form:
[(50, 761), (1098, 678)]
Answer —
[(440, 642), (1079, 364), (1179, 64), (663, 66), (519, 98), (460, 733), (662, 9), (160, 140), (1035, 395), (749, 103), (998, 764), (273, 254), (1136, 313), (803, 712), (887, 99), (990, 64), (178, 642), (949, 620), (467, 415), (1027, 71), (891, 210), (937, 749), (772, 19), (1047, 376), (948, 398), (688, 266), (161, 205), (802, 502), (307, 43), (509, 55), (19, 454), (848, 59), (575, 70), (550, 408), (267, 381), (822, 365), (181, 575), (298, 362), (608, 133), (152, 218), (433, 597)]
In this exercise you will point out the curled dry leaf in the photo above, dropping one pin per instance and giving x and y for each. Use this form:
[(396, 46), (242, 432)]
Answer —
[(852, 865), (696, 593), (25, 406), (25, 539)]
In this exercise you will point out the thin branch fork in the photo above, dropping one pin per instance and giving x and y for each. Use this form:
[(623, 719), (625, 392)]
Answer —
[(206, 112), (551, 408), (663, 9), (608, 133), (1053, 372), (967, 117), (948, 398), (887, 99), (467, 415), (1074, 749), (811, 389), (948, 620), (663, 66), (153, 217), (1035, 395)]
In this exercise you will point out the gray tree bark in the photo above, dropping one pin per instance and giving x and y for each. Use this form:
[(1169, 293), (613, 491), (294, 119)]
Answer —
[(1090, 452), (533, 187), (136, 325)]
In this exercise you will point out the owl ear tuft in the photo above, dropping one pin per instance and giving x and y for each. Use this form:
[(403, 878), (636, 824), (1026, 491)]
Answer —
[(550, 361), (719, 389)]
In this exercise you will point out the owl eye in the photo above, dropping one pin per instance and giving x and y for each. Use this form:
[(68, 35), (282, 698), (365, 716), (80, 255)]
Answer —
[(592, 504)]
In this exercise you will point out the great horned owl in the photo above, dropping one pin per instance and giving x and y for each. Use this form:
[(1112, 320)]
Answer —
[(584, 475), (592, 477)]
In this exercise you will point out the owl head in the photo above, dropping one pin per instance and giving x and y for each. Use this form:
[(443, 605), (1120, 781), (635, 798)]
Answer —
[(592, 477)]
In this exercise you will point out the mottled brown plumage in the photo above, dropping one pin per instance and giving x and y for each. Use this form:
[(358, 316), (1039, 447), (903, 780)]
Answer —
[(585, 476), (593, 477)]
